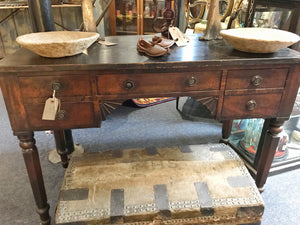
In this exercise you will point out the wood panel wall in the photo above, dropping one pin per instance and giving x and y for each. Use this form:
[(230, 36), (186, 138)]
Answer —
[(15, 22)]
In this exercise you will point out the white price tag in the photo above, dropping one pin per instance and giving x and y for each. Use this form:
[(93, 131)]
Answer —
[(180, 38), (107, 43), (51, 107)]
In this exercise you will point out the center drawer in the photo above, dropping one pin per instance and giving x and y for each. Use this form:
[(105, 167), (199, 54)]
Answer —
[(158, 83)]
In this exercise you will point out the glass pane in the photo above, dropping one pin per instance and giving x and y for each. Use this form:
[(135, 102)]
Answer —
[(152, 24), (245, 135), (126, 17), (271, 17)]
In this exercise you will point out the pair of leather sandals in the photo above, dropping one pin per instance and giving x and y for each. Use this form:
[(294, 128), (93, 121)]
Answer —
[(157, 47)]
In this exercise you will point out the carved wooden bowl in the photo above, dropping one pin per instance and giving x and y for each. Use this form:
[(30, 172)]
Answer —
[(57, 44), (259, 40)]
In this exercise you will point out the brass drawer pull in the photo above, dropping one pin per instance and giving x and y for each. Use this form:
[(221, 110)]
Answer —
[(251, 105), (128, 84), (191, 81), (256, 80), (56, 86), (61, 115)]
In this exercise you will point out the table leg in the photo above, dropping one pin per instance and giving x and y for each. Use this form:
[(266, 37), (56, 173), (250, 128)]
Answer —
[(69, 141), (265, 159), (226, 130), (33, 166), (61, 146)]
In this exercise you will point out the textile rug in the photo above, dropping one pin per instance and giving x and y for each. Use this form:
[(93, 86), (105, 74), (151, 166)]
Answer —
[(145, 102)]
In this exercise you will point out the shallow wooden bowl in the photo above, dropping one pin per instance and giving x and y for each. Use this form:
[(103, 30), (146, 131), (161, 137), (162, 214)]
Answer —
[(57, 44), (259, 40)]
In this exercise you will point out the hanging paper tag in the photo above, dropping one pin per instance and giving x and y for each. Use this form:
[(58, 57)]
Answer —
[(180, 38), (51, 108)]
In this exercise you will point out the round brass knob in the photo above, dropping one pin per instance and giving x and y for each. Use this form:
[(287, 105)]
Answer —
[(128, 84), (61, 115), (56, 86), (251, 105), (256, 80), (191, 81)]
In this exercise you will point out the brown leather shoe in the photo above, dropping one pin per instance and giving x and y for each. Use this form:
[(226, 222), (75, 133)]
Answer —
[(150, 48), (163, 42)]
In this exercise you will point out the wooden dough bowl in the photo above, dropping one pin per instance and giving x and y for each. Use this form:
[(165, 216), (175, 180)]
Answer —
[(56, 44), (259, 40)]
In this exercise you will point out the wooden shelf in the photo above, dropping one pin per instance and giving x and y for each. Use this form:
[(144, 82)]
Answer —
[(23, 6)]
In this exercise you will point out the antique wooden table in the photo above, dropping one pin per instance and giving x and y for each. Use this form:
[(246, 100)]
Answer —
[(232, 85)]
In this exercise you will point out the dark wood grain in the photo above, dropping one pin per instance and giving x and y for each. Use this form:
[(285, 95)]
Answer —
[(270, 78), (236, 105), (93, 85), (124, 56), (33, 87), (77, 115), (32, 162), (271, 140), (153, 83)]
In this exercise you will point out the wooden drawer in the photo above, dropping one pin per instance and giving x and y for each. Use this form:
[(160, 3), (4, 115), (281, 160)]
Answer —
[(259, 78), (76, 115), (158, 83), (257, 105), (33, 87)]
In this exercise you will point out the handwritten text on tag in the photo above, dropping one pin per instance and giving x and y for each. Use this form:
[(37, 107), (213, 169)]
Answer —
[(50, 109)]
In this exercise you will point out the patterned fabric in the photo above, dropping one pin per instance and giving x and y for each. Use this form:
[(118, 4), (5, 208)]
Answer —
[(145, 102)]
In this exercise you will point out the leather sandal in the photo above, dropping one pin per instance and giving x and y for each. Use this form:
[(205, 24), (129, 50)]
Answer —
[(150, 48), (163, 42)]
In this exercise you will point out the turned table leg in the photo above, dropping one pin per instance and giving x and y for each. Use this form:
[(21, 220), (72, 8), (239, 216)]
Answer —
[(69, 140), (61, 146), (226, 130), (268, 150), (32, 162)]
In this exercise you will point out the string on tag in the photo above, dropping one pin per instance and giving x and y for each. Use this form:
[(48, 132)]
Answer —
[(58, 105), (58, 101)]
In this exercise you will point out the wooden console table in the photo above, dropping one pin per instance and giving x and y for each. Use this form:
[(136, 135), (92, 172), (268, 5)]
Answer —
[(232, 85)]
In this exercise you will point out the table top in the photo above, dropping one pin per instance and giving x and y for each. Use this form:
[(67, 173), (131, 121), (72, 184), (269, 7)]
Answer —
[(125, 56)]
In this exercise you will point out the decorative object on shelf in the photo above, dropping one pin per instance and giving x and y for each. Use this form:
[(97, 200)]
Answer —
[(169, 16), (251, 130), (252, 134), (259, 40), (57, 44)]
